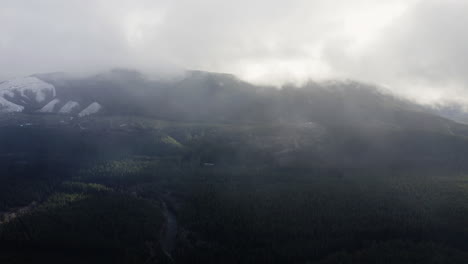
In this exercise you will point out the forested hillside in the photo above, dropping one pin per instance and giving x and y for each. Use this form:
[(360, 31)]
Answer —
[(210, 169)]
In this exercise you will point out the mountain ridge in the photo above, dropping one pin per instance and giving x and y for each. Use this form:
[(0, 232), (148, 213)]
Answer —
[(206, 96), (343, 124)]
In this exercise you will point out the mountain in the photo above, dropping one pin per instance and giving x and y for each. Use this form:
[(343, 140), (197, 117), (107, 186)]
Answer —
[(206, 168), (33, 94), (337, 123), (210, 97), (20, 94)]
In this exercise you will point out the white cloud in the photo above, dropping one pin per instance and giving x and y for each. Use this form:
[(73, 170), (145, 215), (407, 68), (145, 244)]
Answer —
[(418, 48)]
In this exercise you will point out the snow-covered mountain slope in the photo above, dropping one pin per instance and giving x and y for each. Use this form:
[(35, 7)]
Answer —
[(91, 109), (26, 87), (35, 94), (69, 107), (17, 94), (8, 107), (50, 107)]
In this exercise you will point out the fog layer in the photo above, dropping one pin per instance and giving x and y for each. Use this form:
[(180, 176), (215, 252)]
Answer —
[(415, 48)]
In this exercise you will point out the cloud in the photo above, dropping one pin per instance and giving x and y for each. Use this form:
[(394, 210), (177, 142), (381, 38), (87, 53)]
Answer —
[(422, 55), (416, 48), (43, 36)]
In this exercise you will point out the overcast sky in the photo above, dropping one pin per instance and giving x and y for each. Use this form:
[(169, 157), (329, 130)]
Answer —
[(417, 48)]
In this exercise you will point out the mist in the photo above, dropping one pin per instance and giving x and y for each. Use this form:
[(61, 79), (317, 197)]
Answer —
[(249, 131), (417, 49)]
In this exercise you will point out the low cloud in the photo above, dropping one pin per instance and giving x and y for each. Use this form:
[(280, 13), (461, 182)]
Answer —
[(416, 48)]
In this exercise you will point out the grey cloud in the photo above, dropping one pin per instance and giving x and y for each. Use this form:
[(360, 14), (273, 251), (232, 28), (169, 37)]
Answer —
[(424, 54), (422, 51)]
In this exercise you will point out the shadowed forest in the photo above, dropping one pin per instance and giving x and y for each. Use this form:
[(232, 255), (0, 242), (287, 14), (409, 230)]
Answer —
[(76, 196), (234, 132)]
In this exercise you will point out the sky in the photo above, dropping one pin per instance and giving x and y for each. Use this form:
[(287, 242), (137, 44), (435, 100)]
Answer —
[(415, 48)]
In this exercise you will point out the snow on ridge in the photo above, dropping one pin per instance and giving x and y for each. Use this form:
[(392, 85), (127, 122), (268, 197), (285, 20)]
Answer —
[(50, 107), (68, 107), (9, 107), (16, 94), (91, 109), (22, 85)]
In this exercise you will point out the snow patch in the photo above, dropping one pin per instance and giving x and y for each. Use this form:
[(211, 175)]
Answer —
[(22, 85), (9, 107), (91, 109), (50, 107), (68, 107)]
